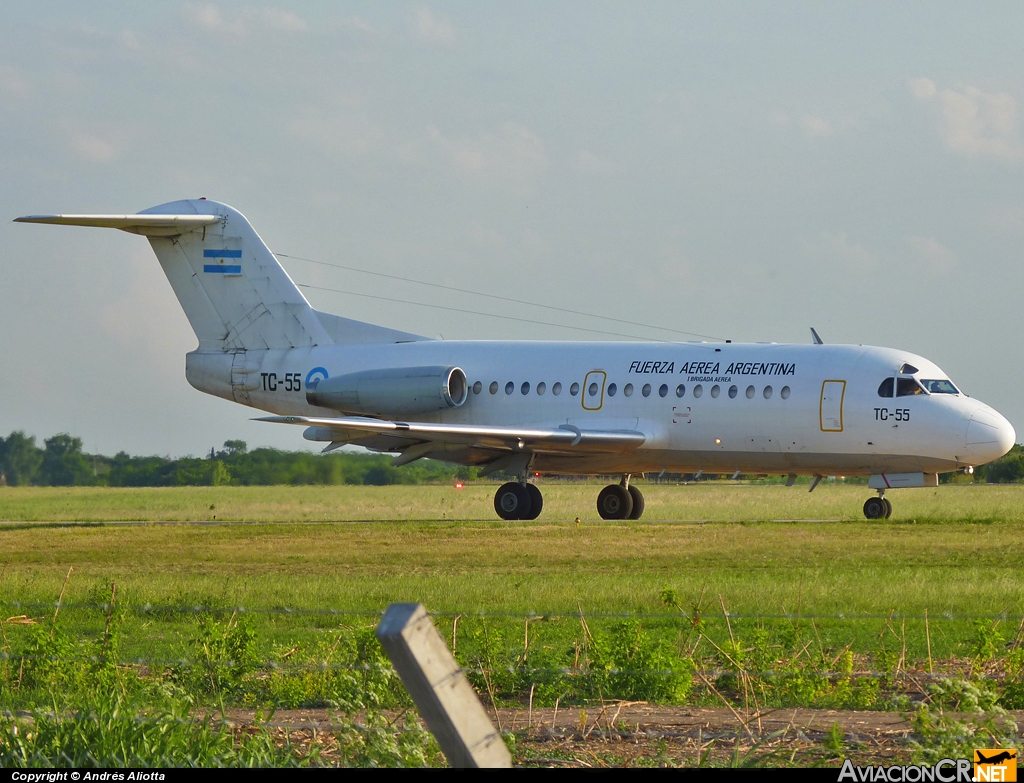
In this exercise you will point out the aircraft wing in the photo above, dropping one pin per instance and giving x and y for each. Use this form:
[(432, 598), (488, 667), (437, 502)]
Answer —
[(564, 439)]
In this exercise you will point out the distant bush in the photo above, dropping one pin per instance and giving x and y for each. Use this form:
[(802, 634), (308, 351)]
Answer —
[(63, 463), (1005, 470)]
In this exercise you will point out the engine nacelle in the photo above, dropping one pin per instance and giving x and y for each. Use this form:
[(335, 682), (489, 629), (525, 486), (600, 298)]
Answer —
[(397, 391)]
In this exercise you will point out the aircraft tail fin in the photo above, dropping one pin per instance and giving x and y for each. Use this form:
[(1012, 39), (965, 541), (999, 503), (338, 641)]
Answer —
[(235, 293)]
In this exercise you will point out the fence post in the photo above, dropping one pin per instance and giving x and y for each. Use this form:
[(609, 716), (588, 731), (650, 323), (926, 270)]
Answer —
[(442, 694)]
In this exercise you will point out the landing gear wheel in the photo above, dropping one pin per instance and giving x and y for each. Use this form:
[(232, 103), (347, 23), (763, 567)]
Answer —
[(874, 508), (638, 502), (888, 507), (536, 501), (512, 501), (614, 502)]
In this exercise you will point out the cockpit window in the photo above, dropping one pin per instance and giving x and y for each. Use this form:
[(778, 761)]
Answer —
[(885, 388), (940, 387), (905, 387), (908, 369)]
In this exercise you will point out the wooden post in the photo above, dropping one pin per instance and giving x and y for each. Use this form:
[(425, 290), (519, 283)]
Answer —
[(443, 695)]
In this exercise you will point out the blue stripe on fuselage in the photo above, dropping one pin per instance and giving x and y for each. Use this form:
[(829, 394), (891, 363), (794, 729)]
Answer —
[(222, 254), (224, 269)]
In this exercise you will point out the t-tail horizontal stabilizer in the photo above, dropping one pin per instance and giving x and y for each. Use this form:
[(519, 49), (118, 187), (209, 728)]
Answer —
[(147, 225)]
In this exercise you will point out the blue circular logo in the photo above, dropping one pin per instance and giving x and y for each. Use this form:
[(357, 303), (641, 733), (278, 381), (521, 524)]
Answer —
[(316, 375)]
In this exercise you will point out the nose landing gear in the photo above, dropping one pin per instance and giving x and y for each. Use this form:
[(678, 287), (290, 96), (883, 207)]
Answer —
[(878, 508)]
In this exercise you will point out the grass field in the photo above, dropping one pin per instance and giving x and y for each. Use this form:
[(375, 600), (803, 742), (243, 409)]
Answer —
[(816, 595), (961, 556), (563, 501)]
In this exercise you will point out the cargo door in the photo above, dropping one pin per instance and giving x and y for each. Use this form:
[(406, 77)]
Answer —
[(830, 412)]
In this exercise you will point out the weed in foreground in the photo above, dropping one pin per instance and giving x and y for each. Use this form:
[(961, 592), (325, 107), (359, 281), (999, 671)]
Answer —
[(939, 732), (121, 731)]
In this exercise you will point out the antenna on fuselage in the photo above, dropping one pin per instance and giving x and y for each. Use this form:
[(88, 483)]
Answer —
[(815, 339)]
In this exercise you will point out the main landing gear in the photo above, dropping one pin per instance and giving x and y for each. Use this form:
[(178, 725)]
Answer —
[(518, 500), (522, 500), (620, 501), (878, 508)]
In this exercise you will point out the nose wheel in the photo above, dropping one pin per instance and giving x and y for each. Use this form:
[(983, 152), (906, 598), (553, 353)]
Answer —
[(877, 508)]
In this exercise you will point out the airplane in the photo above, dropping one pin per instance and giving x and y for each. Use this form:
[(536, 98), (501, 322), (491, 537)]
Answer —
[(533, 407), (1005, 755)]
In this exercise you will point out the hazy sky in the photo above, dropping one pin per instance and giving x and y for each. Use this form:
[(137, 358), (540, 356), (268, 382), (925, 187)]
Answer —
[(738, 170)]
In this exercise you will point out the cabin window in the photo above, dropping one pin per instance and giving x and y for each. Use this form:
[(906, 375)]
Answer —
[(525, 388), (716, 390), (680, 390), (733, 391), (493, 388), (885, 388), (940, 387), (784, 393), (541, 387), (612, 388), (574, 389), (751, 391), (698, 390), (767, 392), (907, 387), (556, 389), (510, 387), (628, 390), (478, 387), (663, 390), (646, 391), (592, 390)]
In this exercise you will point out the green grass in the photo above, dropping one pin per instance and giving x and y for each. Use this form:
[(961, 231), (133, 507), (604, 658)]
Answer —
[(952, 552), (562, 501), (951, 549), (822, 568), (949, 565), (960, 558)]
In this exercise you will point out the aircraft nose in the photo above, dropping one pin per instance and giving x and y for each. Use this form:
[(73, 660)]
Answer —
[(989, 436)]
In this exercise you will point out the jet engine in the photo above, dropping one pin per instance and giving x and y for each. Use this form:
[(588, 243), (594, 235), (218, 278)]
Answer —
[(397, 391)]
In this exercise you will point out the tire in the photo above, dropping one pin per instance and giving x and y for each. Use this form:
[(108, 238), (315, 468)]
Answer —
[(536, 501), (614, 502), (512, 501), (874, 508), (638, 502), (888, 507)]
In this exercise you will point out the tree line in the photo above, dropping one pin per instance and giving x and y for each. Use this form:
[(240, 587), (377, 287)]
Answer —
[(61, 462)]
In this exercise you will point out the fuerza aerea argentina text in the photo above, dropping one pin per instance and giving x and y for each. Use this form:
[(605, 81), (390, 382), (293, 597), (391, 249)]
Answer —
[(642, 367)]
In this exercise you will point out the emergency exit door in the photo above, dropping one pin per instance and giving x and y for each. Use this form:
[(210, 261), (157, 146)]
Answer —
[(830, 412)]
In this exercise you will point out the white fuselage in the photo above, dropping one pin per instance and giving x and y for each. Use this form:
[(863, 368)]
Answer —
[(753, 408)]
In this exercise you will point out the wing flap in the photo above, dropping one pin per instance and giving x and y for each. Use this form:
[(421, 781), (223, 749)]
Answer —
[(563, 439), (147, 225)]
